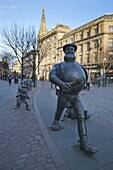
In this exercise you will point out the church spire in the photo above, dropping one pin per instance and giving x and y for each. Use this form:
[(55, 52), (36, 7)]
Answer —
[(42, 30)]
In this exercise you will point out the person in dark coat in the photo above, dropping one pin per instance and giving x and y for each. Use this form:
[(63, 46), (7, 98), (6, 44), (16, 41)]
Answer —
[(10, 80)]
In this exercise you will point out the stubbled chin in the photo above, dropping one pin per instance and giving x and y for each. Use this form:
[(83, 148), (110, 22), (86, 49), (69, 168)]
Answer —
[(69, 58)]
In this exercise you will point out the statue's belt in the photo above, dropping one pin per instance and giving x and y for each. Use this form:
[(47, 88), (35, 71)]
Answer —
[(69, 97)]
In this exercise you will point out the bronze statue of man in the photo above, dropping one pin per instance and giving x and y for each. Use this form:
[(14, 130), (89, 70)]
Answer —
[(71, 77)]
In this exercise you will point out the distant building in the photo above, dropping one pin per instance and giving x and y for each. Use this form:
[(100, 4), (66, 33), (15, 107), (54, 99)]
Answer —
[(0, 69), (4, 68), (48, 45), (16, 67), (93, 39), (30, 63)]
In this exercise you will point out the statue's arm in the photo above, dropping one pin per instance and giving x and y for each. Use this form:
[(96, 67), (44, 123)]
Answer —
[(54, 76)]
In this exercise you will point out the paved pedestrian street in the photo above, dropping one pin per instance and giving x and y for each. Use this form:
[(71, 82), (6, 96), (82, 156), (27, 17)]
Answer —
[(28, 143), (22, 146), (98, 101)]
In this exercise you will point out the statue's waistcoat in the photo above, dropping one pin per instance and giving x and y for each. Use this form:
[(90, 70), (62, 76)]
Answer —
[(69, 71)]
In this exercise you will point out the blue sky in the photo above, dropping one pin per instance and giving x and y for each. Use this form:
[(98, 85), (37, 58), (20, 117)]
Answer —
[(69, 12)]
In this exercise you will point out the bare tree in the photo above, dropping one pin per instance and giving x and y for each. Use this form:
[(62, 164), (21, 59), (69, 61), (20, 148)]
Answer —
[(4, 65), (9, 57), (20, 40), (45, 50), (106, 65)]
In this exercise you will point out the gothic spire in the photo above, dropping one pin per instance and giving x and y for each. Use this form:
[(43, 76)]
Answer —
[(42, 30)]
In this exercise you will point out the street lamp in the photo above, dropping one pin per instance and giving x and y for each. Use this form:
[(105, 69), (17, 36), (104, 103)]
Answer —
[(34, 67), (38, 50), (104, 72), (35, 52)]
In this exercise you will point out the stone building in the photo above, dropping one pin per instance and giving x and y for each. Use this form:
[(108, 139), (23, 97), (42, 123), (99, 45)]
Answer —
[(48, 45), (30, 61), (4, 68), (93, 39), (16, 67)]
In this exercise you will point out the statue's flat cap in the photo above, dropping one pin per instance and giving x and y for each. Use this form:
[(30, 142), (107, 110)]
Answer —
[(70, 44)]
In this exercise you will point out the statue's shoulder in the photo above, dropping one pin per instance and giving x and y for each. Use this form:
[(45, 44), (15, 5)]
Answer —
[(59, 66), (78, 64), (83, 70), (56, 65), (62, 66)]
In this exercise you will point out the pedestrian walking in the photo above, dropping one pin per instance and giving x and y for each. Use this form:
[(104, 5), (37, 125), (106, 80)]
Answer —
[(88, 83), (98, 82), (85, 87), (10, 79)]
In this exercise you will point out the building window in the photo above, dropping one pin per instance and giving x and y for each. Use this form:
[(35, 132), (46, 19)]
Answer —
[(54, 37), (110, 42), (81, 36), (87, 58), (88, 33), (111, 28), (96, 30), (96, 44), (80, 48), (88, 46)]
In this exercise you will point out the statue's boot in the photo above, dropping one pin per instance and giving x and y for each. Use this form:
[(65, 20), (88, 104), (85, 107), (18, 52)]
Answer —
[(27, 107), (87, 116), (55, 125), (84, 144)]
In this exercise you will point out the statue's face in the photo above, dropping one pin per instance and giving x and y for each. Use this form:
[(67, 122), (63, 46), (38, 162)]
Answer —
[(69, 50)]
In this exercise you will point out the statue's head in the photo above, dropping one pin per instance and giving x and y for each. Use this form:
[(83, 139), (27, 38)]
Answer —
[(69, 50)]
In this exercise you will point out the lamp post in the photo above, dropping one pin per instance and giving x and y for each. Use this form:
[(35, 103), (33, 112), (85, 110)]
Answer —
[(34, 52), (38, 61), (90, 69), (34, 67), (104, 72)]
